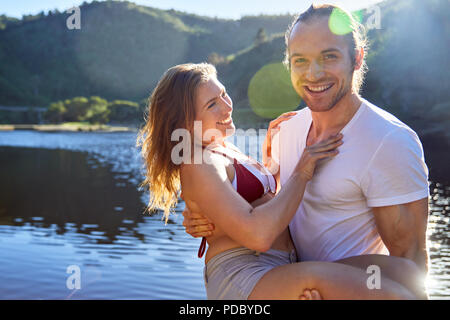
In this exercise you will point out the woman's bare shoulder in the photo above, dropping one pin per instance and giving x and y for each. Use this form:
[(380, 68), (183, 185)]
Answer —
[(200, 181), (211, 165)]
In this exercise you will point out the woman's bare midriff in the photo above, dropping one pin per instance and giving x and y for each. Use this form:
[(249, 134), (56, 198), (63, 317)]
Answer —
[(220, 243)]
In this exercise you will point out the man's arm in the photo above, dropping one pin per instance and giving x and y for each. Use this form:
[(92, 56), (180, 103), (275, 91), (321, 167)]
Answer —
[(403, 230)]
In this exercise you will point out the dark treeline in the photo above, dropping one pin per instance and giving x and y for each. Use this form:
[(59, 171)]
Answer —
[(95, 110)]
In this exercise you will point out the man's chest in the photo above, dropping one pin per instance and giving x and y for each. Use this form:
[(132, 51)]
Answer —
[(336, 181)]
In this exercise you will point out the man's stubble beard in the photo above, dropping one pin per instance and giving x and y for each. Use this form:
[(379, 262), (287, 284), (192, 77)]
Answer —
[(343, 90)]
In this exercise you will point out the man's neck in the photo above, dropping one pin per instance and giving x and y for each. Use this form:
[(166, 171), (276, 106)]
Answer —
[(334, 120)]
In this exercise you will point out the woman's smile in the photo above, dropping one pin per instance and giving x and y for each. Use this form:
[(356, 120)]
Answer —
[(226, 122)]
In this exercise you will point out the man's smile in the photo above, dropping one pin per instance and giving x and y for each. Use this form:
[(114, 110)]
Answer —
[(315, 89)]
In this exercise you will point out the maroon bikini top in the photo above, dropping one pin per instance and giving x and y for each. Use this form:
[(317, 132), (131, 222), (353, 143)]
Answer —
[(248, 185)]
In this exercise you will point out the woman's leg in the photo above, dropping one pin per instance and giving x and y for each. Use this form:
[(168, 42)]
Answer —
[(334, 281), (401, 270)]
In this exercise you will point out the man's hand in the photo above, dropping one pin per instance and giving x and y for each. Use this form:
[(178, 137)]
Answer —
[(196, 224), (274, 128)]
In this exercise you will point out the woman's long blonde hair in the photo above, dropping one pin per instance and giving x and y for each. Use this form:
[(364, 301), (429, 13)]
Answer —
[(171, 106)]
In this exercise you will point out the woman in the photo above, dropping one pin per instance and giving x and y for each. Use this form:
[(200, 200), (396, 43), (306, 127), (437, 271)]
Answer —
[(250, 253)]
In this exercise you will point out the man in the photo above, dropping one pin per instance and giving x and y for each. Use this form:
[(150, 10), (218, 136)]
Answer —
[(373, 197)]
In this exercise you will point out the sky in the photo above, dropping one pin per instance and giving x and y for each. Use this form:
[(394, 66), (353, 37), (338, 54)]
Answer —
[(231, 9)]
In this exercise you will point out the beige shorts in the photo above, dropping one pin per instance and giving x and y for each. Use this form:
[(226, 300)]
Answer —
[(232, 274)]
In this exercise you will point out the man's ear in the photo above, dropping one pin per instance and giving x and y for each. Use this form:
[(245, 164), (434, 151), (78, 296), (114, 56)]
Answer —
[(359, 58)]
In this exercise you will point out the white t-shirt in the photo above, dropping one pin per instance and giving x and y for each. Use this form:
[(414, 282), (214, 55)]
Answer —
[(381, 163)]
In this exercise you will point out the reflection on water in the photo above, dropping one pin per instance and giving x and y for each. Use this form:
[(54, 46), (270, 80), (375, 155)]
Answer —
[(72, 199), (60, 208), (59, 188), (438, 235)]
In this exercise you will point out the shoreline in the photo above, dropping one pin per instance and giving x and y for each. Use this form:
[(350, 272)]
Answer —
[(68, 127)]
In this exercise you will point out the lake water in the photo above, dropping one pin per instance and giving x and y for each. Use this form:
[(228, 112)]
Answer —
[(72, 199)]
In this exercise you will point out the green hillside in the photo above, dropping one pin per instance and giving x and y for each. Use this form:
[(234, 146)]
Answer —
[(120, 52)]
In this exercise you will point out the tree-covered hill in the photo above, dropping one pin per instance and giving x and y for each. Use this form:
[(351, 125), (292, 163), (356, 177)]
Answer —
[(120, 51)]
